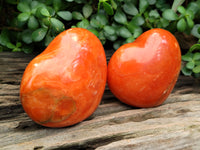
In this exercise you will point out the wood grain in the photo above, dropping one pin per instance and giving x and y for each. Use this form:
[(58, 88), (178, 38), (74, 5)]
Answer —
[(113, 126)]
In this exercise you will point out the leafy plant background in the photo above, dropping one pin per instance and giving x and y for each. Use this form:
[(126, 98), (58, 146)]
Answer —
[(30, 25)]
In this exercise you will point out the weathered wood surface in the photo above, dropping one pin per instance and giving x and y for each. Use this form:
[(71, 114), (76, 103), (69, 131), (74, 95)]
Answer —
[(113, 126)]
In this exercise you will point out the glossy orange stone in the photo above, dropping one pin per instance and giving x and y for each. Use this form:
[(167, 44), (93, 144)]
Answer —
[(143, 73), (65, 83)]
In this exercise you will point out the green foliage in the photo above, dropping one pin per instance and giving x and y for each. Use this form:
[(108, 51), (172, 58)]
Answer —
[(191, 65), (192, 60), (115, 22)]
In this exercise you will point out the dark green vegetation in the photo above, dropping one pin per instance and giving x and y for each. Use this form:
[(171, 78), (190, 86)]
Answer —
[(30, 25)]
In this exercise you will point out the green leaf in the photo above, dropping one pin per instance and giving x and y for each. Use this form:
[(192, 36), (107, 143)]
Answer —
[(27, 36), (45, 22), (177, 3), (190, 65), (186, 72), (48, 40), (169, 14), (19, 44), (162, 5), (109, 29), (194, 47), (190, 14), (114, 5), (69, 0), (57, 4), (16, 49), (143, 4), (130, 39), (83, 24), (124, 32), (117, 44), (102, 37), (95, 32), (131, 27), (66, 15), (196, 56), (154, 13), (102, 19), (10, 45), (130, 9), (110, 37), (77, 15), (152, 20), (197, 62), (181, 25), (152, 2), (195, 32), (137, 20), (120, 17), (108, 8), (187, 57), (95, 23), (190, 22), (181, 10), (193, 6), (57, 25), (33, 23), (44, 11), (23, 16), (38, 12), (196, 69), (35, 5), (164, 22), (39, 34), (51, 11), (23, 7), (137, 31), (87, 10), (27, 50)]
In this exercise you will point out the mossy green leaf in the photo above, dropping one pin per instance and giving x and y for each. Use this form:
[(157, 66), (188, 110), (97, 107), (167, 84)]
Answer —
[(66, 15), (23, 16), (39, 34), (108, 8), (130, 9), (120, 17), (169, 14), (87, 10), (57, 25), (196, 69), (181, 25), (33, 23)]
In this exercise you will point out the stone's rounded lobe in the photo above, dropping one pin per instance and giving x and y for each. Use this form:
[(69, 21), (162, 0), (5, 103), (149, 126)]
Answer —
[(143, 73), (51, 105), (65, 83)]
